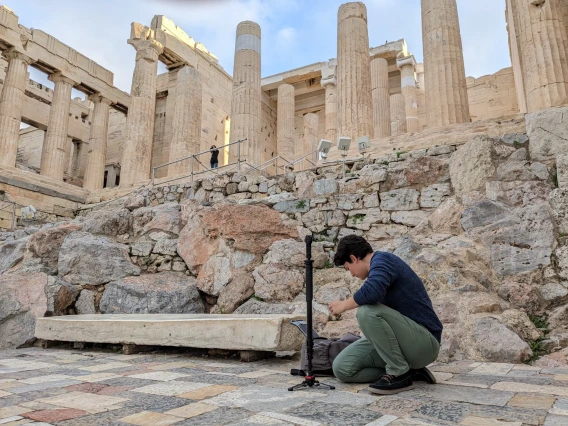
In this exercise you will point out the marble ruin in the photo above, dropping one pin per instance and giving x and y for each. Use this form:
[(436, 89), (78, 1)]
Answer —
[(465, 178), (114, 139)]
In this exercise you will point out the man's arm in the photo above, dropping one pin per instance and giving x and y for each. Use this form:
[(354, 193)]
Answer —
[(340, 306)]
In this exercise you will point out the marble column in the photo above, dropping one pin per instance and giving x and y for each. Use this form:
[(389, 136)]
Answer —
[(137, 155), (381, 97), (398, 115), (186, 122), (446, 89), (285, 131), (246, 103), (68, 154), (407, 66), (355, 106), (11, 104), (330, 85), (53, 153), (96, 155), (542, 43), (310, 140)]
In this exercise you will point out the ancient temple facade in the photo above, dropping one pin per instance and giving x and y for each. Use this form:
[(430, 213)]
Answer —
[(110, 139)]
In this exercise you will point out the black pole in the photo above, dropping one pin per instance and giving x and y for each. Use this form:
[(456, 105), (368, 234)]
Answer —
[(309, 297), (309, 377)]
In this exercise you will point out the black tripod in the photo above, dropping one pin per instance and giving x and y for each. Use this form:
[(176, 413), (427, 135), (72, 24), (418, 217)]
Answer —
[(310, 378)]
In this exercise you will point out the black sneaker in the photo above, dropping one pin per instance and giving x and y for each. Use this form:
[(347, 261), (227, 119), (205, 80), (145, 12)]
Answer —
[(389, 384), (423, 375)]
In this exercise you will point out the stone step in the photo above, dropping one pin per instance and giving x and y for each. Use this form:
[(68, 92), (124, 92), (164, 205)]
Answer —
[(228, 332)]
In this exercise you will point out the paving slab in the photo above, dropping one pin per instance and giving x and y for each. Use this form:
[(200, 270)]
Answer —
[(181, 389), (231, 332)]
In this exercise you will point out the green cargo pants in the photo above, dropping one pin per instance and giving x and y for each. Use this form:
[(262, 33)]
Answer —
[(393, 344)]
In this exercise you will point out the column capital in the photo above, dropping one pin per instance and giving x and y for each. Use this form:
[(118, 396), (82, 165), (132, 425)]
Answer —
[(147, 49), (404, 61), (328, 81), (58, 77), (13, 53), (98, 98)]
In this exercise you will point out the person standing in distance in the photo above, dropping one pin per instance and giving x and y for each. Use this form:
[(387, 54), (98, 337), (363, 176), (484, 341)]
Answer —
[(402, 333), (214, 157)]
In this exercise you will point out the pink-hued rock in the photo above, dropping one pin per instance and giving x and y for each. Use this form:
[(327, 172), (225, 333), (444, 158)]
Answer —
[(22, 300), (42, 251)]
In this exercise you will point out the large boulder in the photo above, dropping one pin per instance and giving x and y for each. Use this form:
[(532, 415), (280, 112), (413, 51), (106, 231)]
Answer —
[(446, 218), (22, 300), (60, 296), (520, 239), (471, 165), (277, 282), (164, 293), (247, 228), (42, 254), (423, 171), (240, 289), (11, 253), (458, 269), (292, 253), (94, 260), (166, 222), (559, 202), (497, 343), (548, 132), (109, 222)]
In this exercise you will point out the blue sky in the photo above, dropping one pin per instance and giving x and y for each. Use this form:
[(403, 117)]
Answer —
[(294, 32)]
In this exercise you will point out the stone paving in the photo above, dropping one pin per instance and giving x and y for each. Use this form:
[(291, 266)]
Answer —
[(87, 387)]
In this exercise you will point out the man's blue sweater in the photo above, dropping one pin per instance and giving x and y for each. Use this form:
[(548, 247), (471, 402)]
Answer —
[(394, 284)]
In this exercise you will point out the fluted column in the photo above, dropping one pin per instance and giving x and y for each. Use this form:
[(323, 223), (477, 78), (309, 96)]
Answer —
[(310, 140), (11, 104), (398, 115), (381, 97), (542, 43), (446, 89), (137, 155), (96, 154), (330, 85), (186, 123), (246, 103), (285, 124), (53, 153), (355, 107), (407, 66)]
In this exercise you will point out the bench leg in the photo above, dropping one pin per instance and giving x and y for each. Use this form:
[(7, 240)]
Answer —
[(131, 349), (250, 356)]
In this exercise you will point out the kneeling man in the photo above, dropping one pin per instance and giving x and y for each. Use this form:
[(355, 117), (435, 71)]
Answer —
[(401, 331)]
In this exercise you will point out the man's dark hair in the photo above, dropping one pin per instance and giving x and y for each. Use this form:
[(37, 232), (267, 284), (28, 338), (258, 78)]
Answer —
[(351, 245)]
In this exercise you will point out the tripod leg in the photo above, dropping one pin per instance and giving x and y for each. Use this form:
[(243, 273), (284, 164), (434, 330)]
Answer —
[(299, 386)]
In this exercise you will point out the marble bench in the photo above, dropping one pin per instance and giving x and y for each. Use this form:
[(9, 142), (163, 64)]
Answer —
[(248, 334)]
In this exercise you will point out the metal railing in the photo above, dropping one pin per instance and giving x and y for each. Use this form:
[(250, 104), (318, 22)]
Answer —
[(193, 158), (273, 162), (272, 167), (302, 160)]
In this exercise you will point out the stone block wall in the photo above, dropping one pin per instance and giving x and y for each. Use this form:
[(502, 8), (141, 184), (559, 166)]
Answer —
[(484, 225), (492, 96), (30, 146)]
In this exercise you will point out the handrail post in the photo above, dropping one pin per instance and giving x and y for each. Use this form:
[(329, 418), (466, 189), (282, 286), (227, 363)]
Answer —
[(239, 156), (192, 158), (276, 166), (153, 175)]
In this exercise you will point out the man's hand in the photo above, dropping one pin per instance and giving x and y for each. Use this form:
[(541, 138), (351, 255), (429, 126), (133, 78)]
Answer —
[(337, 307)]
